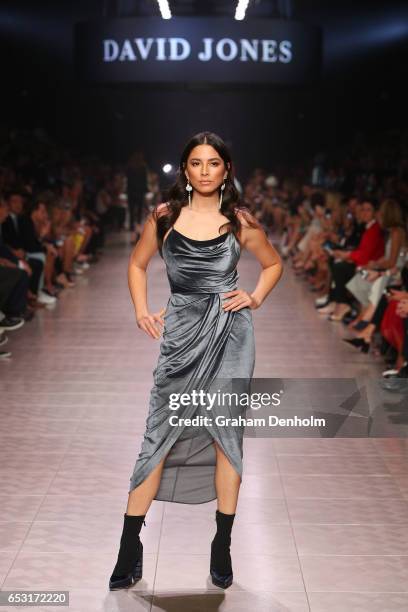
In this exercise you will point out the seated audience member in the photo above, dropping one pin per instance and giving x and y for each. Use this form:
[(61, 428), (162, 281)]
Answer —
[(392, 326), (385, 320), (297, 223), (34, 225), (343, 263), (333, 233), (270, 216), (14, 281), (85, 228), (396, 379), (317, 206), (60, 236), (66, 235), (356, 224), (13, 239), (368, 284), (344, 235)]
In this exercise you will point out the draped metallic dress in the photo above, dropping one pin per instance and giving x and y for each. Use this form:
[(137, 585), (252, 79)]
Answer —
[(201, 343)]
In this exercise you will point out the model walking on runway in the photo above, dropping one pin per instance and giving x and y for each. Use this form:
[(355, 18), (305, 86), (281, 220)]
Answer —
[(208, 336)]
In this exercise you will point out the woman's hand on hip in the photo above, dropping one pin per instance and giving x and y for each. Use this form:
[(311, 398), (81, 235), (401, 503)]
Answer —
[(150, 323), (239, 299)]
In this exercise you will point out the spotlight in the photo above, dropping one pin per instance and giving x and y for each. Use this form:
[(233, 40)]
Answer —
[(167, 168), (241, 9), (164, 9)]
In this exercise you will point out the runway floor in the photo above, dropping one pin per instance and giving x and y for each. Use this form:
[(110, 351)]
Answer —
[(321, 523)]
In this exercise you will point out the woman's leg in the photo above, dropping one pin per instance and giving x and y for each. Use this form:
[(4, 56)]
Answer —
[(375, 322), (141, 497), (49, 271), (367, 313), (227, 483), (68, 252), (87, 236)]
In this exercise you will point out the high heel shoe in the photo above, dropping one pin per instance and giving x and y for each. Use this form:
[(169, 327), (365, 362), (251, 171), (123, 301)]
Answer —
[(220, 565), (129, 565), (360, 325), (359, 343)]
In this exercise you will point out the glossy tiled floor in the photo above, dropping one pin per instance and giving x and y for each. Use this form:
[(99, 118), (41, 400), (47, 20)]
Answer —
[(322, 524)]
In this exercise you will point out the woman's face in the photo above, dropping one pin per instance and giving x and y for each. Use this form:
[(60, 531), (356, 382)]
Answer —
[(205, 169)]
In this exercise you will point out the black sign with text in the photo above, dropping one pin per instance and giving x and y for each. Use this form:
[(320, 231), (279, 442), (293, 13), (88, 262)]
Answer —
[(181, 49)]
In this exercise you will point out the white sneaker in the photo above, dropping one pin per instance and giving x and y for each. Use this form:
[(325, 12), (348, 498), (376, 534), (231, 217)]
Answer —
[(44, 298), (388, 373), (321, 301)]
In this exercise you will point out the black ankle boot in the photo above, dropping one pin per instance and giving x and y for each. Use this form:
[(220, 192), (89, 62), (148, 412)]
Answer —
[(220, 565), (129, 566)]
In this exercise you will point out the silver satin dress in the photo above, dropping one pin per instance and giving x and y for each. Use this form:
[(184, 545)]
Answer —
[(201, 343)]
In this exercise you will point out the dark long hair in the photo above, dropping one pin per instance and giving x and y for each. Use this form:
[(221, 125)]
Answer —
[(177, 196)]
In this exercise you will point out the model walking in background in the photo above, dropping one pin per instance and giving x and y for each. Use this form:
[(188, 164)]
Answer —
[(208, 335), (137, 186)]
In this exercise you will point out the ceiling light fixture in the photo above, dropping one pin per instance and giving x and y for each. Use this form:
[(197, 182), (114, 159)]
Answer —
[(164, 9), (241, 9)]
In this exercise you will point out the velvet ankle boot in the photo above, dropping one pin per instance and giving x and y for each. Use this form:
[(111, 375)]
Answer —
[(129, 565), (220, 565)]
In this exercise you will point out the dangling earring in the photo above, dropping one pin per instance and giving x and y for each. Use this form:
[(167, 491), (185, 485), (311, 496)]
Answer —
[(189, 189), (222, 192)]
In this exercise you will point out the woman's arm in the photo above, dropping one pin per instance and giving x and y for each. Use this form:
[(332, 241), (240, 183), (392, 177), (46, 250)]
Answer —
[(144, 250), (397, 239), (256, 241)]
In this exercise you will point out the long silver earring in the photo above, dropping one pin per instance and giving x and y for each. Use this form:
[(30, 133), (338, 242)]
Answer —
[(189, 189), (222, 192)]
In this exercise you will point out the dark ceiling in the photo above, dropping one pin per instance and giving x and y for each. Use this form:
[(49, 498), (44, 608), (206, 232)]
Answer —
[(362, 85)]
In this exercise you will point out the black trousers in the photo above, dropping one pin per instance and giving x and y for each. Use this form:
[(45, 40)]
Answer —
[(135, 205), (341, 273), (379, 312), (405, 345), (37, 267), (13, 291)]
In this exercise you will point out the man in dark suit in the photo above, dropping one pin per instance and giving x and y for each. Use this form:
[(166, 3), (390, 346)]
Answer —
[(14, 281), (13, 238)]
